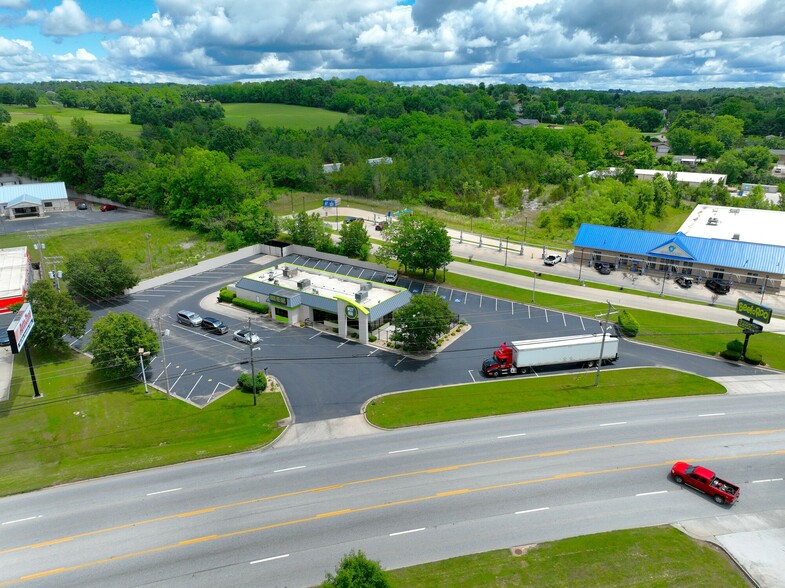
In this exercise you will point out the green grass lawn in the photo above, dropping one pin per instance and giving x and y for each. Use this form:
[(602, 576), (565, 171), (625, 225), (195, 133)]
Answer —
[(281, 115), (88, 425), (653, 556), (120, 123), (520, 394), (171, 248)]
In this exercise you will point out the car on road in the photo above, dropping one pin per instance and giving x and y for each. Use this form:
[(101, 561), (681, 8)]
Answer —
[(214, 325), (704, 480), (552, 260), (189, 318), (684, 281), (246, 336), (352, 219), (603, 267), (108, 207), (4, 339), (718, 286)]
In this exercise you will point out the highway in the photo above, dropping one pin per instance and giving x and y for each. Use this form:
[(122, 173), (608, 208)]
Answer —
[(285, 516)]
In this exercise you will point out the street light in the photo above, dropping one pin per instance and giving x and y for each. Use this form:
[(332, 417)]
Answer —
[(142, 355)]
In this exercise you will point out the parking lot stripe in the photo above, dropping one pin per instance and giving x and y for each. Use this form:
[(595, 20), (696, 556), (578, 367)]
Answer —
[(178, 378), (194, 387), (316, 335)]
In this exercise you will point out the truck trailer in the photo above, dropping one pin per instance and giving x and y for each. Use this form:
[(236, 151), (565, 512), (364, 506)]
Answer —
[(520, 356)]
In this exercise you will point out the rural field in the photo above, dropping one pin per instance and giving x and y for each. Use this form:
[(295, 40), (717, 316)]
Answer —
[(270, 115)]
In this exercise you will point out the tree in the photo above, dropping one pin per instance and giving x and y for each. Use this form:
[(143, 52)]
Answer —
[(309, 230), (5, 116), (355, 241), (418, 243), (98, 274), (357, 571), (419, 324), (116, 341), (28, 97), (56, 315)]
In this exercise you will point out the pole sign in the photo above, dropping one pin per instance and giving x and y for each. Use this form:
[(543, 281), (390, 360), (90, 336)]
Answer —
[(753, 311), (749, 326), (20, 328)]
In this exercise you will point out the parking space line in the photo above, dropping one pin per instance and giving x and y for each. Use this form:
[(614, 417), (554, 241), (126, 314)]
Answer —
[(564, 319), (480, 300), (497, 305), (374, 350), (178, 379), (342, 344), (546, 315), (471, 375), (315, 336), (583, 326), (194, 387), (512, 308), (209, 400), (465, 297), (399, 361)]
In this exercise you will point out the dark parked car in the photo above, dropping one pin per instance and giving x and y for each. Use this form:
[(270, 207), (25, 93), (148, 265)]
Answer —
[(108, 207), (81, 206), (603, 267), (718, 286), (552, 260), (352, 219), (4, 340), (214, 325), (684, 281)]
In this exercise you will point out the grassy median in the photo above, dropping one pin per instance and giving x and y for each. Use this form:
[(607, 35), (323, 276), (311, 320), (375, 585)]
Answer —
[(524, 394), (87, 425), (654, 556)]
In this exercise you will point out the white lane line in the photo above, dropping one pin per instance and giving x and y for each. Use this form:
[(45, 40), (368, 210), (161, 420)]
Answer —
[(194, 388), (403, 450), (316, 335), (471, 375), (270, 558), (163, 491), (533, 510), (399, 361), (754, 481), (177, 380), (22, 520), (407, 532), (613, 424), (342, 344), (480, 300), (564, 319), (496, 309), (372, 352), (652, 493), (712, 414), (513, 435), (288, 469)]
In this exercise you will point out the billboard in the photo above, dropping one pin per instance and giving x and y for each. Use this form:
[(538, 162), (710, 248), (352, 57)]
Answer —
[(20, 328)]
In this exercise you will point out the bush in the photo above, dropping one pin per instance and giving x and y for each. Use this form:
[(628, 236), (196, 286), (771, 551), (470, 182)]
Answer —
[(753, 357), (226, 295), (735, 345), (251, 305), (372, 338), (246, 383), (627, 323), (731, 354)]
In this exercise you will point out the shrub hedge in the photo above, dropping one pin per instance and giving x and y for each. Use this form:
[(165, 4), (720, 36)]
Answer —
[(246, 383), (735, 345), (731, 354), (226, 295), (753, 357), (627, 323), (259, 307)]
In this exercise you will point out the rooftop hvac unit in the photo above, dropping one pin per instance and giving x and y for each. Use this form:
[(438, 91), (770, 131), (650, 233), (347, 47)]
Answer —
[(713, 221), (270, 277), (360, 296), (303, 284), (289, 272), (366, 287)]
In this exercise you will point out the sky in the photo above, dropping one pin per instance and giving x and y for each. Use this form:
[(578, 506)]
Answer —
[(572, 44)]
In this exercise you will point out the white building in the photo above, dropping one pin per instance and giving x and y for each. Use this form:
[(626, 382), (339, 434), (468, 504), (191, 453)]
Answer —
[(33, 200)]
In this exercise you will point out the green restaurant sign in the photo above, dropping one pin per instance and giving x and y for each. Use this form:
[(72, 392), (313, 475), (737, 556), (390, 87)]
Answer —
[(749, 326), (753, 311), (278, 299)]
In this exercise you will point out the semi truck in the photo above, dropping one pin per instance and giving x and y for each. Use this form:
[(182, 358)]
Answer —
[(520, 356)]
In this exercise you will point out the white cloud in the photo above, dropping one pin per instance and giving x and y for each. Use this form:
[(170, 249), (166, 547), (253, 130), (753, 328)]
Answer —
[(13, 4), (11, 47), (711, 36)]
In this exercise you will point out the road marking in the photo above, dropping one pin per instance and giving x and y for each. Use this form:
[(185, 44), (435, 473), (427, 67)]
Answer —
[(712, 414), (22, 520), (342, 344), (613, 424), (513, 435), (316, 335), (194, 388), (652, 493), (564, 319), (480, 300), (163, 491), (512, 308), (754, 482), (471, 375), (373, 351), (429, 471), (465, 297), (533, 510), (288, 469), (269, 558), (546, 314), (399, 361), (177, 380), (403, 450), (497, 305), (407, 532)]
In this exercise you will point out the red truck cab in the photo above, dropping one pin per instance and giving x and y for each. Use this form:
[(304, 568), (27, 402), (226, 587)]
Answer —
[(705, 481), (499, 363)]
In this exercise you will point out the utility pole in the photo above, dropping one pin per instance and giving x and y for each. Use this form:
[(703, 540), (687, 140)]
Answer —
[(506, 250), (162, 335), (602, 344), (253, 371), (55, 274), (38, 246), (142, 355)]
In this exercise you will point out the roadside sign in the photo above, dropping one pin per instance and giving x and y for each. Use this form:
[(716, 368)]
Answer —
[(753, 311), (748, 325)]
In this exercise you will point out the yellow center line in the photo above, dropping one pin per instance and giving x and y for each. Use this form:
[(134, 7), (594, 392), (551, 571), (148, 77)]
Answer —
[(347, 511), (348, 484)]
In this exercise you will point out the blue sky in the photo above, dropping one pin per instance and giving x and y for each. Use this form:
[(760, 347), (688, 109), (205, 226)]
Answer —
[(596, 44)]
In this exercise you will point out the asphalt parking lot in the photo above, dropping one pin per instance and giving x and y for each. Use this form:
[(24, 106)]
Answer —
[(68, 219)]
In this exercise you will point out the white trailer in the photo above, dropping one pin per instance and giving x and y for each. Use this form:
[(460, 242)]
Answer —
[(520, 356)]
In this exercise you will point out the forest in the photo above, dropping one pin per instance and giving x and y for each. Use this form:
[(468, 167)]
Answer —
[(456, 148)]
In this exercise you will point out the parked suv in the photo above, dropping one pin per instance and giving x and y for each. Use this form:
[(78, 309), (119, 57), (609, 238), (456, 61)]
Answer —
[(603, 267), (718, 286), (188, 318), (214, 325)]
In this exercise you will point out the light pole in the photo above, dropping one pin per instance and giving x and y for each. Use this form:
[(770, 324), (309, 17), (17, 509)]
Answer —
[(142, 355), (534, 284), (506, 250), (163, 334), (149, 257), (763, 291)]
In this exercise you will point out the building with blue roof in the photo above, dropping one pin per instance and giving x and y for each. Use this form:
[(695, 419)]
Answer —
[(752, 266), (33, 200)]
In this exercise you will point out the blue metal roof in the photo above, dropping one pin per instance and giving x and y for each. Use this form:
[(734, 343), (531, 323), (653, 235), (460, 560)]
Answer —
[(755, 257), (48, 191)]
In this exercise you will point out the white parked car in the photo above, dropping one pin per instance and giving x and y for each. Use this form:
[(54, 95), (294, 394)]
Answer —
[(246, 336), (552, 259)]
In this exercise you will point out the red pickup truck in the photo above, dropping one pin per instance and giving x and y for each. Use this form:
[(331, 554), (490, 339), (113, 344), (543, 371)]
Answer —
[(705, 481)]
